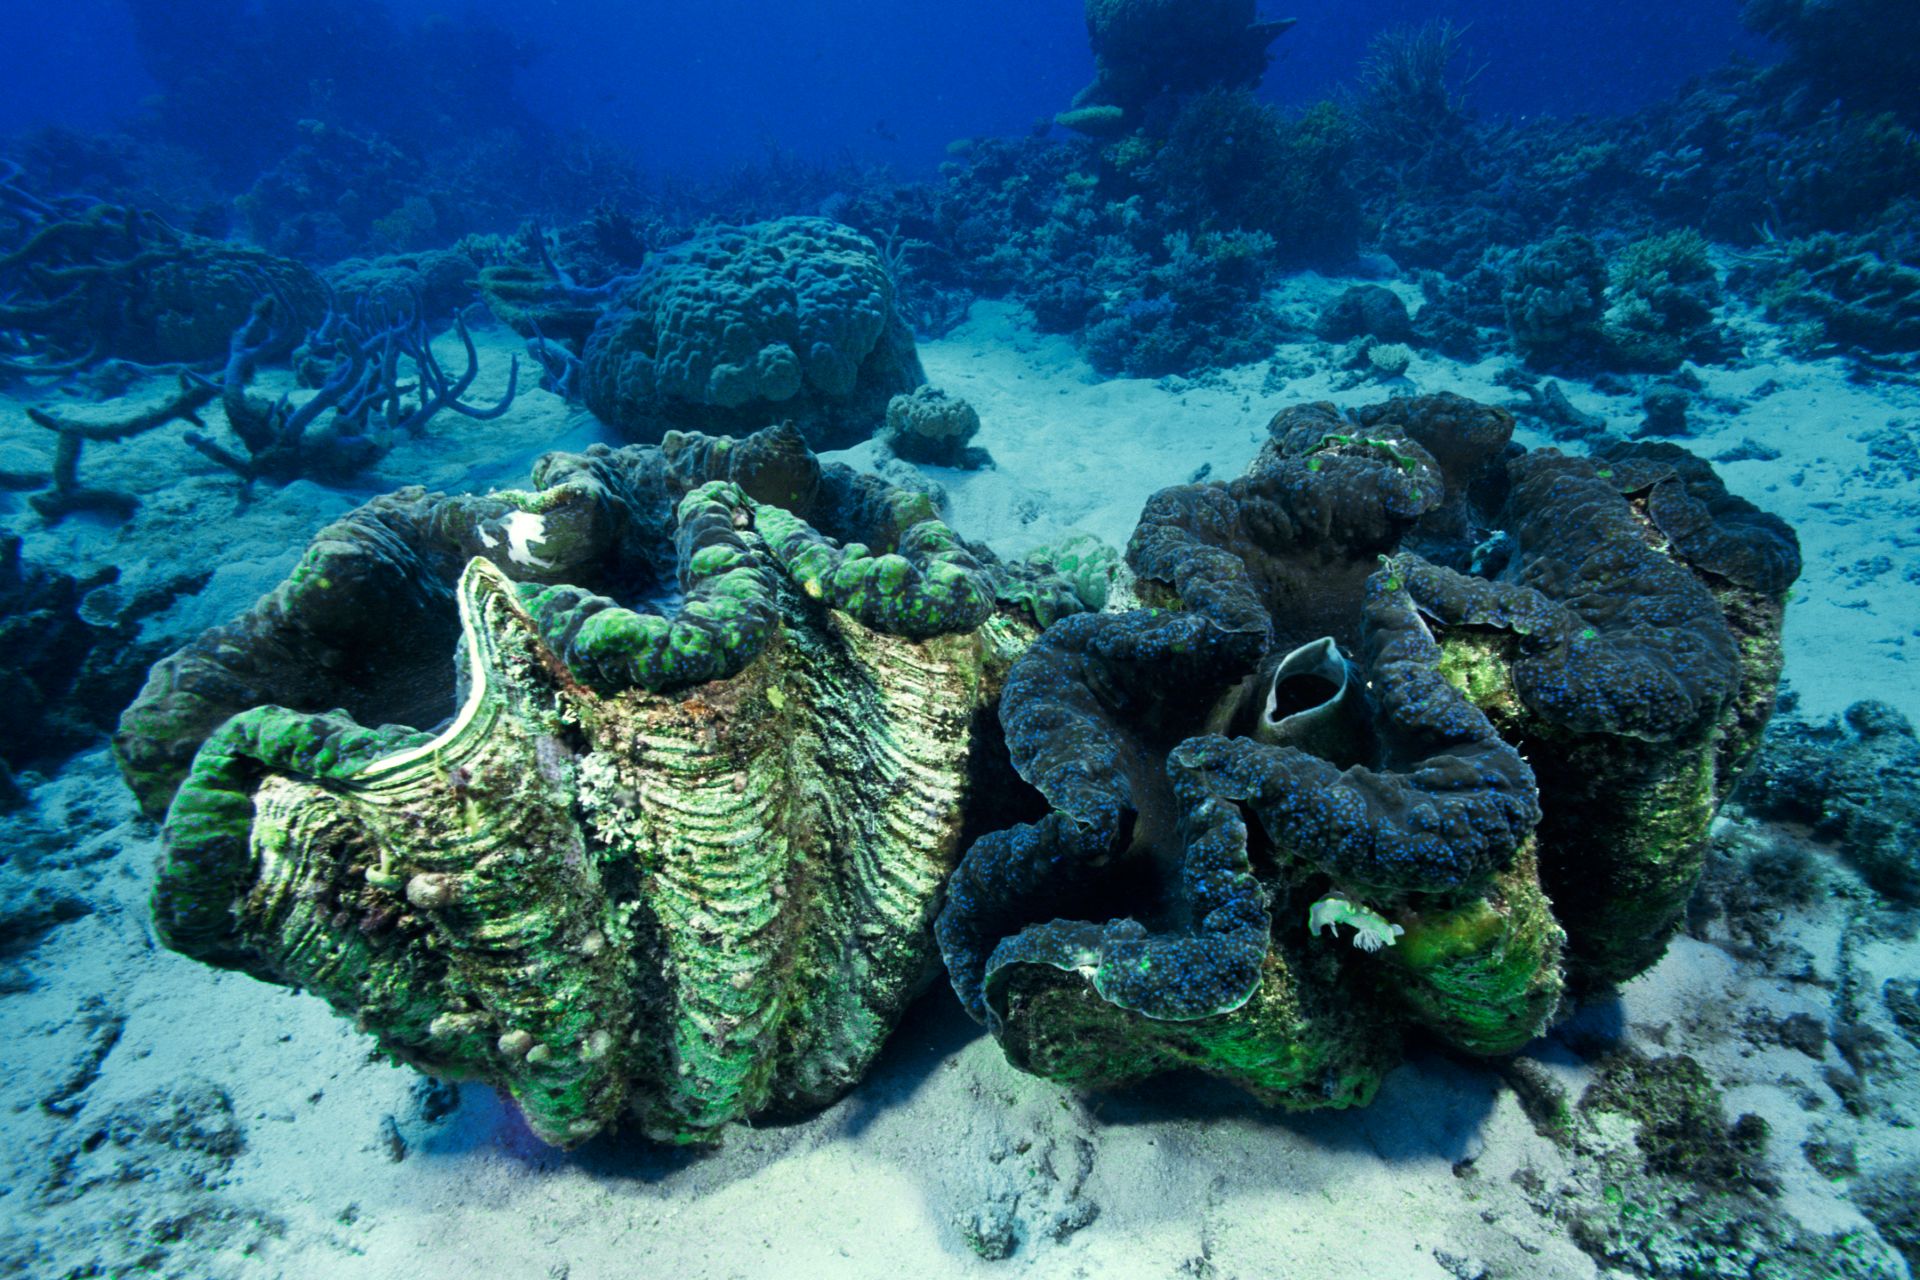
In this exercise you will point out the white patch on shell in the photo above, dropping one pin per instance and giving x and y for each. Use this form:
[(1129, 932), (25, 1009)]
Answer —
[(523, 529)]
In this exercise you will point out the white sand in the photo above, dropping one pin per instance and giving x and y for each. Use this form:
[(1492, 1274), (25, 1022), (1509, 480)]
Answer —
[(945, 1141)]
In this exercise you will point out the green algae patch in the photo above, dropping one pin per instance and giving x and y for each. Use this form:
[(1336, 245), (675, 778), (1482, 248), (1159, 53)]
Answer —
[(1484, 975)]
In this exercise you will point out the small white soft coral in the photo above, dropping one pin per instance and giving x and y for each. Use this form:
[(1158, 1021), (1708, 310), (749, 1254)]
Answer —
[(1371, 930)]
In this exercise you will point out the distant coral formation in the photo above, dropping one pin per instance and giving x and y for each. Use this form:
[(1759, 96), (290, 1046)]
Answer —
[(741, 326), (86, 281), (1146, 49), (1866, 49)]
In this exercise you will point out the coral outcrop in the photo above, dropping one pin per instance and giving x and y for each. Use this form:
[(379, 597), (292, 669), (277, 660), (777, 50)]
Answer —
[(742, 326), (1366, 310), (1868, 50), (1841, 295), (1661, 295), (934, 427), (1554, 299), (1477, 704), (1856, 783), (1648, 308), (436, 281), (1146, 49), (677, 866)]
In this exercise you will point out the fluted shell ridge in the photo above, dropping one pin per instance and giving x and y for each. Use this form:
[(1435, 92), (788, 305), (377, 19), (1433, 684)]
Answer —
[(684, 908)]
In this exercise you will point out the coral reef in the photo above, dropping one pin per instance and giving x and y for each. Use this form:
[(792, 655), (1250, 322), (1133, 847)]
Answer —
[(931, 426), (1661, 294), (1666, 1186), (323, 199), (1856, 783), (1554, 299), (1647, 309), (436, 282), (742, 326), (1228, 162), (1868, 50), (1156, 249), (351, 63), (1401, 676), (678, 866), (1837, 294), (1200, 309), (1406, 113)]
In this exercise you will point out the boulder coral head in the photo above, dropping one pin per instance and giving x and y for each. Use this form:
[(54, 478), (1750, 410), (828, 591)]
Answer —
[(675, 855), (934, 427), (1417, 729), (1144, 49), (792, 318)]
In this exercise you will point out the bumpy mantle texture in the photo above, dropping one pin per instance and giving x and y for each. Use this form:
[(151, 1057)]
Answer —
[(678, 866), (1419, 729)]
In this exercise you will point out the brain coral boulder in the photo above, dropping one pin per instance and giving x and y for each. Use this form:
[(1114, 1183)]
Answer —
[(663, 841), (740, 327), (1417, 729)]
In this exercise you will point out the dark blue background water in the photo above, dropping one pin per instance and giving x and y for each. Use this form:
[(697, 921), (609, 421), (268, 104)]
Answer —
[(697, 85)]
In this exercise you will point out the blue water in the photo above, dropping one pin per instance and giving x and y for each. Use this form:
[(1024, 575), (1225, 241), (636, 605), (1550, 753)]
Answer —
[(691, 88)]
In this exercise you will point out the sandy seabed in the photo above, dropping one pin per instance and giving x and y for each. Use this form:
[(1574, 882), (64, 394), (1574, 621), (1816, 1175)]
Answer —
[(161, 1117)]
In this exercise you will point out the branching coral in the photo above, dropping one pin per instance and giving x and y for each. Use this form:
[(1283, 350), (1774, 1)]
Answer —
[(65, 494), (362, 406), (1661, 295), (1399, 676), (1406, 103)]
